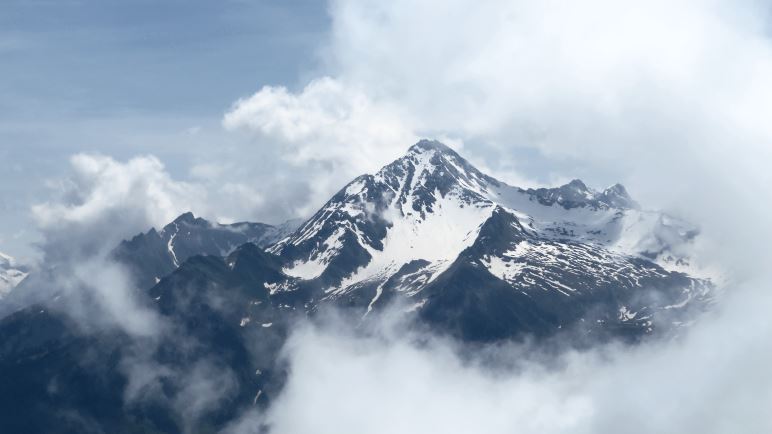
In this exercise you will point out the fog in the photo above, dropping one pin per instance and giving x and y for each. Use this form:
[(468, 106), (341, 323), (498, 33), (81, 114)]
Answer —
[(100, 203)]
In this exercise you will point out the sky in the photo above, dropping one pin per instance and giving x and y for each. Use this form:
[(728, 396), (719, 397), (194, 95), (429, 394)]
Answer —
[(131, 78)]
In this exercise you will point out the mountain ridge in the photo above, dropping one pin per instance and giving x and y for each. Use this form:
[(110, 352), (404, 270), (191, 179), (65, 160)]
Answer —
[(428, 236), (398, 231), (154, 254)]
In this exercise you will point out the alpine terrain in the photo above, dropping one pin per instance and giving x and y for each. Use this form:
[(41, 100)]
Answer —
[(155, 254), (428, 236), (486, 260)]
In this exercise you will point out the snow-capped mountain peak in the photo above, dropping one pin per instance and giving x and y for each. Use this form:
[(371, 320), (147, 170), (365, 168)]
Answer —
[(431, 198), (576, 194), (5, 260), (11, 274), (428, 207), (617, 197), (428, 171)]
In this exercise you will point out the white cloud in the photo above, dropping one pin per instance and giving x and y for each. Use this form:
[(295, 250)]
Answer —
[(484, 68), (203, 388), (604, 90), (670, 98), (328, 133), (109, 286), (536, 91), (327, 121), (105, 197), (709, 381), (100, 203)]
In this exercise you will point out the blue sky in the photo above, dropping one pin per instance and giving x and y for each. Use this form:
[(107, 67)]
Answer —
[(126, 77), (97, 57)]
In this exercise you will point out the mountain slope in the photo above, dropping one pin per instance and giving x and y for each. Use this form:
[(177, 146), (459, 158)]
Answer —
[(155, 254), (434, 231), (423, 206), (217, 326), (511, 280)]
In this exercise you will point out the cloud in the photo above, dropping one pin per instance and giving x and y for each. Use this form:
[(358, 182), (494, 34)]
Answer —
[(204, 387), (540, 92), (328, 133), (484, 68), (535, 92), (104, 200), (709, 381), (668, 98), (99, 204), (326, 121), (101, 282)]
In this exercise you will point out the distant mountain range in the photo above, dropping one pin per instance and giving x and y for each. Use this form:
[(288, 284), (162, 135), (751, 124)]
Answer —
[(428, 236), (155, 254), (11, 274)]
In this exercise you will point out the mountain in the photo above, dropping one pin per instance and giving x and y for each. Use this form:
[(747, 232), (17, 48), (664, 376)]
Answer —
[(155, 254), (488, 260), (11, 274), (217, 324), (428, 235)]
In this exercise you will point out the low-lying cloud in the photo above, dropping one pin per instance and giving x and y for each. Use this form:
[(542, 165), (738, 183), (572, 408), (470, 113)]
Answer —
[(102, 202), (710, 380)]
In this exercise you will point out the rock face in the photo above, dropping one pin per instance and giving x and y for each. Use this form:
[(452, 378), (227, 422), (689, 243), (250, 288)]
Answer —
[(428, 234), (487, 260), (155, 254)]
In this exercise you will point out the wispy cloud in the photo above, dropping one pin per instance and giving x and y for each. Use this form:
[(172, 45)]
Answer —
[(330, 132)]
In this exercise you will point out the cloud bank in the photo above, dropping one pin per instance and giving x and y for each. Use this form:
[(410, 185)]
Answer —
[(536, 92), (709, 381), (667, 98)]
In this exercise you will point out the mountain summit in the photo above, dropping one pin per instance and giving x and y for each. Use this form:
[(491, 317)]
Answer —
[(434, 231)]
